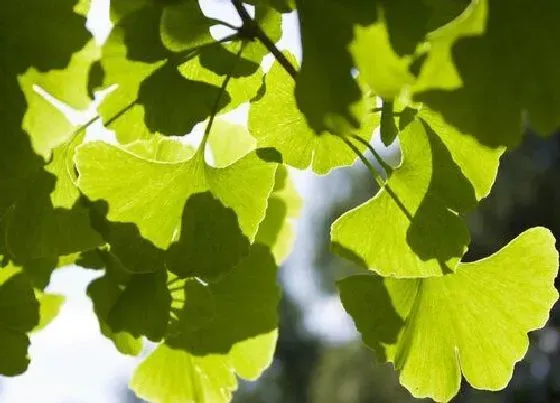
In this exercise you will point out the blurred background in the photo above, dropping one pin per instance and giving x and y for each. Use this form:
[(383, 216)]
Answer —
[(319, 357)]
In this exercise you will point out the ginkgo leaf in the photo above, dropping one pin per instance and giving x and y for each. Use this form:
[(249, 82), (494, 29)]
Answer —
[(212, 64), (474, 321), (205, 350), (156, 86), (48, 221), (210, 242), (379, 65), (104, 293), (438, 70), (284, 6), (499, 82), (286, 130), (284, 206), (326, 93), (130, 306), (49, 307), (229, 142), (131, 53), (411, 228), (19, 314), (183, 26), (125, 181), (44, 37), (42, 34), (161, 149)]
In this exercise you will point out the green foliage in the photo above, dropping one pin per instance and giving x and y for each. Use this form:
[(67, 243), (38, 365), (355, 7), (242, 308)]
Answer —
[(414, 323), (189, 239)]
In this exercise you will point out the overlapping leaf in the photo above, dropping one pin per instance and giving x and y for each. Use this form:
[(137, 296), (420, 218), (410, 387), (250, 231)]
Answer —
[(229, 143), (502, 77), (373, 37), (474, 321), (412, 227), (152, 194), (221, 330), (166, 63), (286, 130), (19, 314)]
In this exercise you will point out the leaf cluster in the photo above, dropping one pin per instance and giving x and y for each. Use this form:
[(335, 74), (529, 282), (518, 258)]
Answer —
[(189, 234)]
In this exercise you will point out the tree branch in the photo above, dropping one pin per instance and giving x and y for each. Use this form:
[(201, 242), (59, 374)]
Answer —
[(252, 29)]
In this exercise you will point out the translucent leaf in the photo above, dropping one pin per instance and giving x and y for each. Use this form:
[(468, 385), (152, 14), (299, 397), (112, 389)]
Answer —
[(48, 221), (284, 6), (206, 348), (412, 227), (276, 122), (499, 77), (130, 306), (210, 242), (135, 188), (473, 322), (325, 91), (19, 314), (211, 66), (104, 292), (379, 65), (49, 306), (229, 142), (156, 86), (284, 206), (42, 34), (132, 52), (183, 26)]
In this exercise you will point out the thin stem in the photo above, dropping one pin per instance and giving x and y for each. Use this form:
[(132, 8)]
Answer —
[(380, 160), (225, 23), (364, 160), (252, 29), (216, 107)]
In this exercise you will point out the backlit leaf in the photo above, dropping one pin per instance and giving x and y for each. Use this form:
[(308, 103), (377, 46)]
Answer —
[(474, 321)]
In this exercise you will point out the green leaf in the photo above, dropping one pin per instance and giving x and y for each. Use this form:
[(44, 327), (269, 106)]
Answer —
[(183, 26), (19, 314), (473, 322), (411, 228), (135, 187), (206, 347), (285, 128), (142, 309), (284, 6), (210, 243), (229, 142), (438, 71), (42, 34), (325, 91), (211, 66), (500, 82), (284, 206), (270, 22), (379, 65), (48, 220), (104, 293), (156, 86), (49, 307), (132, 52)]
